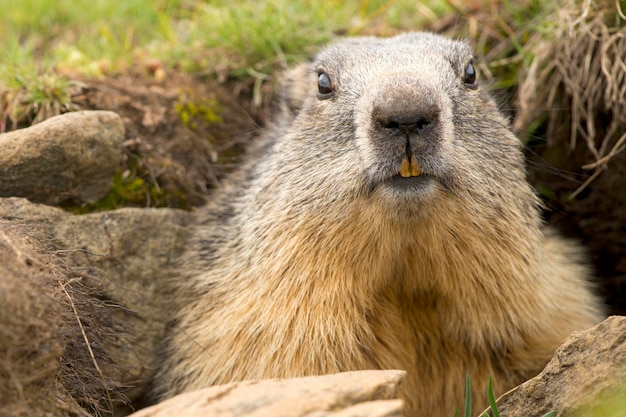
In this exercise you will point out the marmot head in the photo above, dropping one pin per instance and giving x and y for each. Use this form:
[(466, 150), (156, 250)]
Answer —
[(402, 120)]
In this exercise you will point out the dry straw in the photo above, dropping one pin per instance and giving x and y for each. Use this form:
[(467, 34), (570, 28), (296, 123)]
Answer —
[(578, 75)]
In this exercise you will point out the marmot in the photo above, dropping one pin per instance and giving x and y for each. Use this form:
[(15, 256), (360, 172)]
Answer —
[(384, 221)]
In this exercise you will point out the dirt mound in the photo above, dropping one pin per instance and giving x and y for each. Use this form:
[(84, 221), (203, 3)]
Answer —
[(182, 134)]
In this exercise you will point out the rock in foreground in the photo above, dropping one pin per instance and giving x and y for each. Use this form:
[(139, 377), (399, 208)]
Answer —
[(110, 270), (349, 394), (589, 369)]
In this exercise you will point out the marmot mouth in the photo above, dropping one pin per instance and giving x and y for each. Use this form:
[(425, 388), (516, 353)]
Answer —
[(411, 183), (410, 177)]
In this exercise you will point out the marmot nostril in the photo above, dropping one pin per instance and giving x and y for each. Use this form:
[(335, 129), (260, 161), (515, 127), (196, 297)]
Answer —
[(407, 127)]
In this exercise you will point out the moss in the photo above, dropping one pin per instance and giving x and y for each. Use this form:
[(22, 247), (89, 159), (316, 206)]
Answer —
[(128, 190), (195, 115)]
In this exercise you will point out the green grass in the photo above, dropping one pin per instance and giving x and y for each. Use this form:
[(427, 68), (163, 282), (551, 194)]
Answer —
[(259, 35), (245, 39), (221, 38), (79, 34), (55, 40), (47, 42), (31, 96), (98, 36), (493, 406)]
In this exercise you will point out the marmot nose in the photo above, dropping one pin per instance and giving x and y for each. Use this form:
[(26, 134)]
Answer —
[(406, 124), (406, 107)]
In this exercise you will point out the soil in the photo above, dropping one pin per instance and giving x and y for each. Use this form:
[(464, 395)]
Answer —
[(183, 133)]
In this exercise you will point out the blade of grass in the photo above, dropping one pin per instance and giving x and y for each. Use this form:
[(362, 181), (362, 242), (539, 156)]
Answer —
[(468, 396), (492, 398)]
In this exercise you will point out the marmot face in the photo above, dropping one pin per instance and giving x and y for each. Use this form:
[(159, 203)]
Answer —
[(406, 122)]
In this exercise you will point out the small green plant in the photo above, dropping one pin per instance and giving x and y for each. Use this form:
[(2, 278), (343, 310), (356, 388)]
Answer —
[(29, 96), (194, 114), (129, 189), (493, 406), (468, 398)]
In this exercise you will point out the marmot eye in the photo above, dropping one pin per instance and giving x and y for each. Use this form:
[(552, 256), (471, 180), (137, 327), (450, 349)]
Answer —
[(324, 89), (469, 78)]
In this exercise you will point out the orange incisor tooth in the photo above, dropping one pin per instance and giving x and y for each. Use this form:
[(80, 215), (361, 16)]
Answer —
[(415, 168), (405, 168)]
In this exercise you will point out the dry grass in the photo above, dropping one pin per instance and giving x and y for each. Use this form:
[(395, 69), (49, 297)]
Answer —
[(29, 325), (578, 77), (53, 333)]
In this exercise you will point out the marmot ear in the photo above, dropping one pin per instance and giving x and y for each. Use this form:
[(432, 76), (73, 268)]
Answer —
[(297, 84)]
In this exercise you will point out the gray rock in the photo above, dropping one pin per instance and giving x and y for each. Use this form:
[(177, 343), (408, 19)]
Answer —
[(586, 372), (348, 394), (67, 158), (119, 264)]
